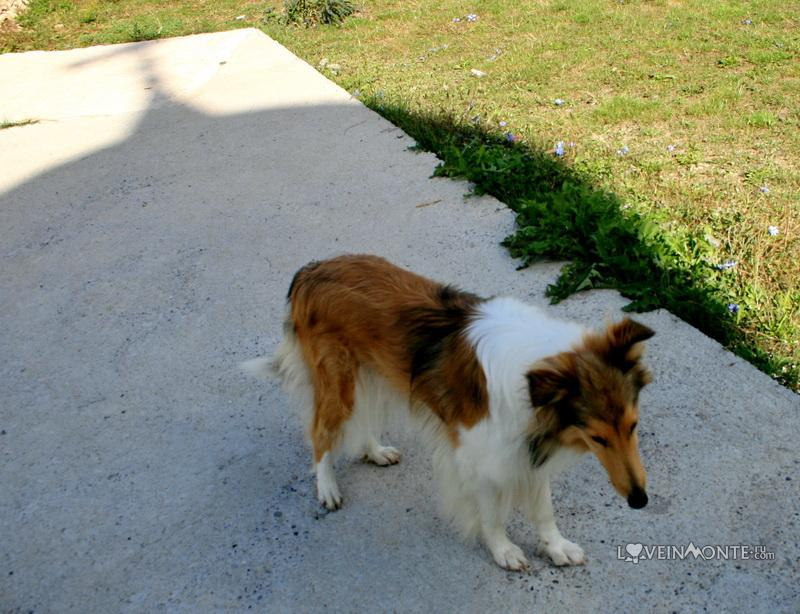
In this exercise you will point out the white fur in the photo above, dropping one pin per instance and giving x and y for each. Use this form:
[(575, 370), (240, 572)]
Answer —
[(290, 368), (490, 472), (260, 368), (377, 406), (492, 464), (361, 433), (327, 489)]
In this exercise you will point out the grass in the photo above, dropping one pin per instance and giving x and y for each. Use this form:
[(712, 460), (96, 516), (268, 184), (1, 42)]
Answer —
[(64, 24), (16, 124), (679, 124), (609, 244)]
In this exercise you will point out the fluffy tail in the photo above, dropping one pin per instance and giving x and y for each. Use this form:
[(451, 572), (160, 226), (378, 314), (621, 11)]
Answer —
[(287, 365), (290, 368), (260, 368)]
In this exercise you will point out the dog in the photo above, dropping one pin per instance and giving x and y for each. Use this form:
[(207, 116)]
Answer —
[(508, 395)]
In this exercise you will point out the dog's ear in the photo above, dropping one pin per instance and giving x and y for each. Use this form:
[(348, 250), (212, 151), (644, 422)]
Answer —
[(552, 380), (624, 343)]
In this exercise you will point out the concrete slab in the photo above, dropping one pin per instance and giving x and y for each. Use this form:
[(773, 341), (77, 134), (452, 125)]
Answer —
[(149, 230)]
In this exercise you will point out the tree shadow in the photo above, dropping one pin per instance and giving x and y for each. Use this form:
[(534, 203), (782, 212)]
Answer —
[(136, 276), (563, 215)]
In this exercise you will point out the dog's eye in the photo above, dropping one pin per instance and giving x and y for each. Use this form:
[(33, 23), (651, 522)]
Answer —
[(633, 427), (603, 442)]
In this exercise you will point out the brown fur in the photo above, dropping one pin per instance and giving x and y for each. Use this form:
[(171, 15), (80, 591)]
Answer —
[(362, 311), (588, 399)]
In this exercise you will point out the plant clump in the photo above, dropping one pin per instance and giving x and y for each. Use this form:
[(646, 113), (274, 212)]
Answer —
[(314, 12)]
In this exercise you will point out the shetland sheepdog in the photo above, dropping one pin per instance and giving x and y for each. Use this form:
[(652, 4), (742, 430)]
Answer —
[(508, 394)]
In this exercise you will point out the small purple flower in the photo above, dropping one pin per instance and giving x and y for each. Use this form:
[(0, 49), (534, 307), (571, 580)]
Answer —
[(773, 231), (747, 22), (559, 150), (503, 124), (456, 19), (764, 189), (472, 17), (670, 148), (728, 264), (558, 102), (623, 151), (511, 137), (733, 308)]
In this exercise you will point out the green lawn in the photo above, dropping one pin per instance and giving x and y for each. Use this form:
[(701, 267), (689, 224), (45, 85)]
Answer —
[(679, 181)]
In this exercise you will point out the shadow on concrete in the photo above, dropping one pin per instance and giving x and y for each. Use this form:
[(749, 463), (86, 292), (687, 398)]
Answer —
[(562, 215)]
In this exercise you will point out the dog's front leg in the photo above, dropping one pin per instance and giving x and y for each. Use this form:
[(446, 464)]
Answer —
[(505, 552), (560, 550)]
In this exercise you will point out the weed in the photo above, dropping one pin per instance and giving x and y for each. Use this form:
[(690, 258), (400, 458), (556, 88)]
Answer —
[(312, 12), (728, 61), (16, 124), (761, 119), (145, 30)]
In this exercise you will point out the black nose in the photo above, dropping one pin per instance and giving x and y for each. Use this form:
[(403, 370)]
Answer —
[(638, 498)]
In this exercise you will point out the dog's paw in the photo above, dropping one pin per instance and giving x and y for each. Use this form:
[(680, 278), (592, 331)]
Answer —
[(564, 552), (384, 455), (329, 496), (509, 556)]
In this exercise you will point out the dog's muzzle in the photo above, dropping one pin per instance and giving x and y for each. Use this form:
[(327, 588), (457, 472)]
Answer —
[(637, 499)]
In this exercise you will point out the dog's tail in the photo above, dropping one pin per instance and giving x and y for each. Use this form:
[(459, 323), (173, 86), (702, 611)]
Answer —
[(261, 368), (288, 364)]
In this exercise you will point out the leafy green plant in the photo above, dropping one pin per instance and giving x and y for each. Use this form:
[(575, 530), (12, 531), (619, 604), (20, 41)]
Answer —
[(728, 61), (37, 9), (312, 12), (88, 17), (761, 119), (145, 30)]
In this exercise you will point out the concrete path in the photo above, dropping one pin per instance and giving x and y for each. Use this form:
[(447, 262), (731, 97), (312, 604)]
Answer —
[(149, 226)]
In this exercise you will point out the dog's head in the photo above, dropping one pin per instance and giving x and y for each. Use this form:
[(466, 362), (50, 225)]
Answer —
[(587, 399)]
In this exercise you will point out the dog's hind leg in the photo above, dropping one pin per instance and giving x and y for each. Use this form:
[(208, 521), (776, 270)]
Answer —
[(373, 404), (560, 550), (380, 454), (334, 371), (327, 489)]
